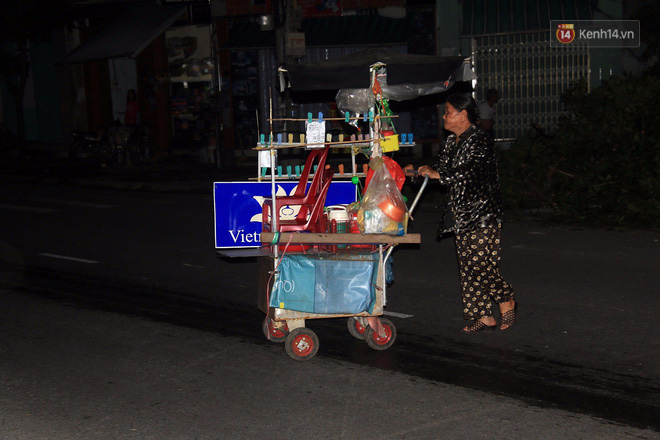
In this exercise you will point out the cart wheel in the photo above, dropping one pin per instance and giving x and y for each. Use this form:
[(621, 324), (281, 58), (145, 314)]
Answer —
[(381, 343), (355, 328), (271, 333), (302, 344)]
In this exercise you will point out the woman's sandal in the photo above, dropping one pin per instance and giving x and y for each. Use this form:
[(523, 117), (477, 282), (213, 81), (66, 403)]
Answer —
[(479, 326), (509, 317)]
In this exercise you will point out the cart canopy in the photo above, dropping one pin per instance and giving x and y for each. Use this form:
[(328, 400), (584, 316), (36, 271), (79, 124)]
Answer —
[(352, 71)]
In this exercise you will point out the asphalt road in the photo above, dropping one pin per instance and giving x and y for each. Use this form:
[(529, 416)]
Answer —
[(583, 360)]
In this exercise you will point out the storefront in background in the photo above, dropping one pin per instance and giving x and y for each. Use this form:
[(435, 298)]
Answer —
[(191, 89)]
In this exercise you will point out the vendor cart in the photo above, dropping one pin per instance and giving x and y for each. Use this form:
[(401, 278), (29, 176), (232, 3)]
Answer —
[(312, 266), (346, 283)]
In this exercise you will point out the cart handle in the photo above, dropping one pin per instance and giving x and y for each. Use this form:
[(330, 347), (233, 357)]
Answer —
[(414, 203), (419, 194)]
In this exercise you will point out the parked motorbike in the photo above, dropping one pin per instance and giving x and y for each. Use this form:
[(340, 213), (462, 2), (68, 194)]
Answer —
[(118, 144)]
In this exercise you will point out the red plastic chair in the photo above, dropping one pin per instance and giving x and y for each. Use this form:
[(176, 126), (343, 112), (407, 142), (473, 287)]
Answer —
[(322, 155), (302, 196), (309, 217)]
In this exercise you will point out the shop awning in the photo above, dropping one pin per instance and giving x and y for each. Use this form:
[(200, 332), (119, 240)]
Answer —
[(129, 34), (482, 17), (352, 71), (355, 30)]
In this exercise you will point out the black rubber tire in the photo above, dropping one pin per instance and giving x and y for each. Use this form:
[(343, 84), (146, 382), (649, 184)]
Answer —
[(271, 333), (376, 342), (302, 344), (355, 328)]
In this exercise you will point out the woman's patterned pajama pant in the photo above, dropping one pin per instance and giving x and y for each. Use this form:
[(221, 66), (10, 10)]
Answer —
[(481, 283)]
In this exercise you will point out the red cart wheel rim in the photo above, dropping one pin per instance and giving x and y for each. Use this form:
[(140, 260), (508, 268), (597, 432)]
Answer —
[(277, 333), (382, 341), (302, 345), (359, 327)]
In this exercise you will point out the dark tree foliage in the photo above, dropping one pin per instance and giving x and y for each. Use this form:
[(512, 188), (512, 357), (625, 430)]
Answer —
[(600, 165)]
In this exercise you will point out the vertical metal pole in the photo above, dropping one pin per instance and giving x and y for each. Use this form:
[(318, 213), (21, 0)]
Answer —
[(273, 190), (382, 265), (354, 168), (527, 76), (588, 56), (543, 66), (216, 89), (372, 133), (274, 215)]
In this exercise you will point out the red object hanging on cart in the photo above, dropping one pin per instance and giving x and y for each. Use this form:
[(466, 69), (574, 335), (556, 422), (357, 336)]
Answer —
[(395, 171)]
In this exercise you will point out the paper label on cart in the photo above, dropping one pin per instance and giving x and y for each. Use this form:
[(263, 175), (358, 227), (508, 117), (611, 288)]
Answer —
[(315, 134), (238, 207), (264, 159)]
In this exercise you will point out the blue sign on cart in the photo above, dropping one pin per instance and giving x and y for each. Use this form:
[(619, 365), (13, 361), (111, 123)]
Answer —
[(238, 207)]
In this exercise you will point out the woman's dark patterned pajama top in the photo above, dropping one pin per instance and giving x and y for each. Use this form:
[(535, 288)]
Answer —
[(467, 165)]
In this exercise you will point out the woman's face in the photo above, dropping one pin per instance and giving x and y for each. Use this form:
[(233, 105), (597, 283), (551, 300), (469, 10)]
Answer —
[(452, 118)]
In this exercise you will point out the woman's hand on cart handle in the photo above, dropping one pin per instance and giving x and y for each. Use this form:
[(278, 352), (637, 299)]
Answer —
[(422, 171), (426, 170), (410, 171)]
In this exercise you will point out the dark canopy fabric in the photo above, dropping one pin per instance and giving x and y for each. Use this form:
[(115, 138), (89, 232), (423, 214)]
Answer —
[(352, 71), (129, 34)]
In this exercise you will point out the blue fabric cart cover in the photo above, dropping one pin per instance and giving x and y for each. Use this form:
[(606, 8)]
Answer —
[(326, 284)]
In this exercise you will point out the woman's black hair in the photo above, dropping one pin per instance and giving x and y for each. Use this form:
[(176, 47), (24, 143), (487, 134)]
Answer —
[(465, 102)]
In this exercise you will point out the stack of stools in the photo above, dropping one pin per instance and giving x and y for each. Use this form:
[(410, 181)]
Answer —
[(311, 200)]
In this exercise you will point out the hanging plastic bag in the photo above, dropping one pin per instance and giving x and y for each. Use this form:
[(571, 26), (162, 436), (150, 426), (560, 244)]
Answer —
[(355, 100), (382, 209), (395, 171)]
